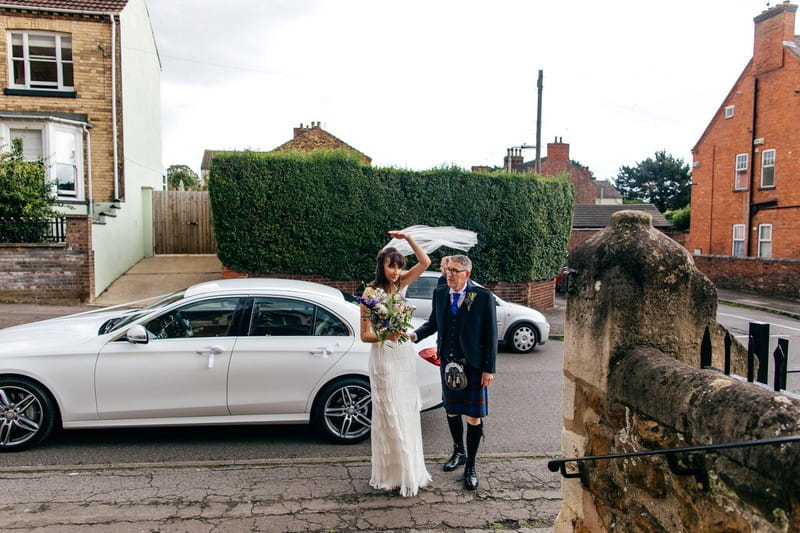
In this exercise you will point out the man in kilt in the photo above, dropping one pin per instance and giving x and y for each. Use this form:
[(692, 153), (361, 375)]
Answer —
[(464, 316)]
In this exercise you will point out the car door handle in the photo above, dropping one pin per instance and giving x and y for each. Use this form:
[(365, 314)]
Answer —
[(325, 351), (211, 351)]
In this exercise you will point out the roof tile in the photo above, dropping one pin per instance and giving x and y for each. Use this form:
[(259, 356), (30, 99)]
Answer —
[(72, 5)]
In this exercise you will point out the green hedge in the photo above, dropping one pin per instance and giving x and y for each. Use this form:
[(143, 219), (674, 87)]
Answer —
[(326, 213)]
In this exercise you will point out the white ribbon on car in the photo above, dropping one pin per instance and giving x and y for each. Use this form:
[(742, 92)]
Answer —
[(431, 238)]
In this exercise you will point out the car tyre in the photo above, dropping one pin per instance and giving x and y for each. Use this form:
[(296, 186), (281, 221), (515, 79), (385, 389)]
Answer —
[(27, 414), (523, 338), (343, 410)]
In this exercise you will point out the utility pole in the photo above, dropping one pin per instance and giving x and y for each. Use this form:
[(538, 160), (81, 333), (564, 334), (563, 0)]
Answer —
[(539, 86)]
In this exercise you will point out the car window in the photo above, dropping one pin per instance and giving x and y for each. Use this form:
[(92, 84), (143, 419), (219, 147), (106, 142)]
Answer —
[(281, 317), (327, 324), (422, 288), (206, 318)]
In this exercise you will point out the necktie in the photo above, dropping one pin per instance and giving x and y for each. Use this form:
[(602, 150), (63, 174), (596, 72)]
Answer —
[(454, 305)]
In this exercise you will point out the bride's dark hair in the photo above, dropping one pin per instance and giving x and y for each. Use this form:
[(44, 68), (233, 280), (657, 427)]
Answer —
[(395, 258)]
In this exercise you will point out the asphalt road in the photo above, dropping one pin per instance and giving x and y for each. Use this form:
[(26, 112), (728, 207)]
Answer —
[(525, 414)]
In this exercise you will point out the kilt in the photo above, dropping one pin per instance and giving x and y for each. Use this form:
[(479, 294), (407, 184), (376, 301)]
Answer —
[(470, 401)]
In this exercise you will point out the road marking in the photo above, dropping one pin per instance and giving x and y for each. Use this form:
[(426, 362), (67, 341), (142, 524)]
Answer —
[(750, 320)]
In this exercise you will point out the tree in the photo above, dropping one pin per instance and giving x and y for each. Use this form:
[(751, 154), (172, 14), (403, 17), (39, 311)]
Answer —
[(24, 194), (679, 218), (663, 181), (182, 177)]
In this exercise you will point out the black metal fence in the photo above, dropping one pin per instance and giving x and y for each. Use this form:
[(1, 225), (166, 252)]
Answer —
[(32, 231), (757, 349)]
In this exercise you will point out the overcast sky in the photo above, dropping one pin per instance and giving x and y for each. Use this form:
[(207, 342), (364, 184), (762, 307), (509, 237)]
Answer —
[(423, 83)]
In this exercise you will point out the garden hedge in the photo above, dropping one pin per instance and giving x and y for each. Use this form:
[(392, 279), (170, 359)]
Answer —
[(326, 213)]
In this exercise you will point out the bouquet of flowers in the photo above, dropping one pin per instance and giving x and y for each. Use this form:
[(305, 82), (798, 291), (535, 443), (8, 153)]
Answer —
[(388, 313)]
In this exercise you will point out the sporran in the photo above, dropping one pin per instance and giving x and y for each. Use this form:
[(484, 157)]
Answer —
[(454, 376)]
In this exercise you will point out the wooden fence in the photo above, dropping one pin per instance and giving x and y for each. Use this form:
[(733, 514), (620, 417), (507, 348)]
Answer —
[(182, 223)]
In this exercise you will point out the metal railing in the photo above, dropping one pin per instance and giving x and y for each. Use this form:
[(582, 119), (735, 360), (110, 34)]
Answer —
[(757, 349), (33, 231), (693, 463)]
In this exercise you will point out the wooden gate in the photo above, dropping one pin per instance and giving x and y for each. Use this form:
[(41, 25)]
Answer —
[(182, 223)]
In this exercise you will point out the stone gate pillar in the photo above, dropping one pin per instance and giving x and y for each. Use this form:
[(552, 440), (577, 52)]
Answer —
[(630, 285)]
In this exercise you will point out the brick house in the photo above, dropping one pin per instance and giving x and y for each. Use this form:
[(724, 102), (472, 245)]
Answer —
[(595, 200), (588, 191), (305, 139), (746, 173), (81, 85)]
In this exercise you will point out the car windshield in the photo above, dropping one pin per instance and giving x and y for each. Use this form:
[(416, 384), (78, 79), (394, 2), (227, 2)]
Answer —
[(117, 323)]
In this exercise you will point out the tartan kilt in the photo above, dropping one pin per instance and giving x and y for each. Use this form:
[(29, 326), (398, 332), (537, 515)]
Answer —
[(470, 401)]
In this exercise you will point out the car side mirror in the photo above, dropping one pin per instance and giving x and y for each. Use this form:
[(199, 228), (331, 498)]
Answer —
[(137, 335)]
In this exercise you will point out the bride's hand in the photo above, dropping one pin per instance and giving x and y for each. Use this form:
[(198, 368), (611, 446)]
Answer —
[(394, 336), (398, 234)]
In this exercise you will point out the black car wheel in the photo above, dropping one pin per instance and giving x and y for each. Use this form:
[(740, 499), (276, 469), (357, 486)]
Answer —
[(27, 414), (523, 338), (343, 410)]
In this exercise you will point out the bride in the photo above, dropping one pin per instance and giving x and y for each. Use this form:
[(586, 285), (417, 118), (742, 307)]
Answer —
[(397, 458)]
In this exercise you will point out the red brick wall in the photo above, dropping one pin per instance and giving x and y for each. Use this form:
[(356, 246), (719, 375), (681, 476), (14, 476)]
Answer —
[(716, 206), (537, 294), (50, 273), (771, 277)]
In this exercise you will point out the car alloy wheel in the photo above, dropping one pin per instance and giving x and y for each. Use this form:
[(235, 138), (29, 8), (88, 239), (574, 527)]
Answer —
[(523, 338), (343, 410), (26, 414)]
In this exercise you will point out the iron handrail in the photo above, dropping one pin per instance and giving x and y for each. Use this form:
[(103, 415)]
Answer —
[(695, 466)]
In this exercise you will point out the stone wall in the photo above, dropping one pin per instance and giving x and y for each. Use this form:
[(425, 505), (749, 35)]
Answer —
[(636, 313), (50, 273)]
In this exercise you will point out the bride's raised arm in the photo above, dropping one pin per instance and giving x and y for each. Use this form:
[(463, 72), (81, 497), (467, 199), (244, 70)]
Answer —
[(423, 261)]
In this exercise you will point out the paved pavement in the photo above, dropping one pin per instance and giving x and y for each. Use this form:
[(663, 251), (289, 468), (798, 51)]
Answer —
[(517, 491)]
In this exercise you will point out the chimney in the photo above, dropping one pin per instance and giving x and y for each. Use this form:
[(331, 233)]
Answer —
[(300, 130), (513, 159), (774, 26), (558, 151)]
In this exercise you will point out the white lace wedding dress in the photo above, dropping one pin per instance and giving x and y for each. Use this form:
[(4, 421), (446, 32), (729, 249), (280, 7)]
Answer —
[(397, 457)]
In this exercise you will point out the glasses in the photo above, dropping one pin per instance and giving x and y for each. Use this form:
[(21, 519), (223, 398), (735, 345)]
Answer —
[(454, 271)]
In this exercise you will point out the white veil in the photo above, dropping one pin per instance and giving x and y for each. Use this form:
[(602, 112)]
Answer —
[(431, 238)]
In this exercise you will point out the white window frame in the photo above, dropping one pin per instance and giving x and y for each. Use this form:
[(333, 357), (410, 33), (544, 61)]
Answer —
[(729, 111), (764, 240), (59, 84), (740, 172), (739, 235), (768, 162), (50, 130)]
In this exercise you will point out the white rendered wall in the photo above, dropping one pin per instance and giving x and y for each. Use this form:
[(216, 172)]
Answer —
[(124, 240)]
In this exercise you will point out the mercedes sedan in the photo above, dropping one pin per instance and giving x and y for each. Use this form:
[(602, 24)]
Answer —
[(238, 351), (518, 327)]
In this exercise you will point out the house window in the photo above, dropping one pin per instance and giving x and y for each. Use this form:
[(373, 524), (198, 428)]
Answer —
[(768, 168), (740, 181), (738, 240), (40, 61), (765, 241), (59, 146), (729, 111)]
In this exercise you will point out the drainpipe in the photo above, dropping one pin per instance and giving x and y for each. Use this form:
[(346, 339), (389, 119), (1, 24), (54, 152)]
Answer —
[(88, 137), (750, 212), (114, 104)]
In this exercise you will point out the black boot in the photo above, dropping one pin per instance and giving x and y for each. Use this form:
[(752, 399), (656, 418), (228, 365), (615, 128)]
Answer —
[(474, 434), (459, 456)]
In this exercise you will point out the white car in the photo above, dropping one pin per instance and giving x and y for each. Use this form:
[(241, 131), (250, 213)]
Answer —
[(519, 327), (238, 351)]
